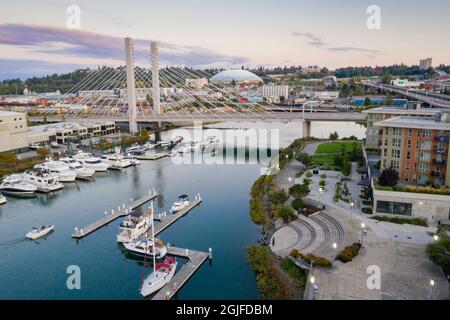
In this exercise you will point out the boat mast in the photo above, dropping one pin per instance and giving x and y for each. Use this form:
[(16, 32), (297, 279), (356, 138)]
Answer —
[(153, 238)]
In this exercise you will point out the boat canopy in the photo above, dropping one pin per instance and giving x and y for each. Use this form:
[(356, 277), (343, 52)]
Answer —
[(183, 196)]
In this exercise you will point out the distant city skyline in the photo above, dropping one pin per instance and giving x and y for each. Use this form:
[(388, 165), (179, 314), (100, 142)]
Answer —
[(34, 38)]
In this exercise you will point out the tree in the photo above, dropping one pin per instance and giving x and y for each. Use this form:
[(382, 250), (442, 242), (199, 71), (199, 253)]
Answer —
[(389, 100), (7, 158), (298, 204), (386, 79), (334, 136), (278, 197), (304, 158), (346, 168), (367, 101), (282, 99), (388, 178), (43, 152), (299, 190), (285, 212)]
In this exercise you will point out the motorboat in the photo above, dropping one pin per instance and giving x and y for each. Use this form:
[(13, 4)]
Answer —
[(2, 199), (40, 232), (133, 227), (43, 180), (137, 149), (149, 145), (181, 203), (59, 169), (162, 273), (15, 186), (116, 161), (143, 248), (81, 171), (165, 143), (91, 162), (133, 160)]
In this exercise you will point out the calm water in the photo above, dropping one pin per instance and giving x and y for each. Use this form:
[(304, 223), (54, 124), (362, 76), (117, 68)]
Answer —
[(37, 269)]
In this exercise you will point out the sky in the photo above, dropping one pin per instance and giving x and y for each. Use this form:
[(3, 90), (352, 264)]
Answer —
[(35, 39)]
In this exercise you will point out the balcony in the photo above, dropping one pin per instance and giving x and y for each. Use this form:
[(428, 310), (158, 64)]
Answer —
[(441, 138), (440, 150), (438, 161)]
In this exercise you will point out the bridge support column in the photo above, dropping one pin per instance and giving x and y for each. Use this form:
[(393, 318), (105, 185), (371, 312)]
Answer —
[(131, 86), (156, 97), (306, 129)]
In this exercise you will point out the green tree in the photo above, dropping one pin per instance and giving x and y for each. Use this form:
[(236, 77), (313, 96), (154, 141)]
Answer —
[(7, 158), (43, 152), (278, 197), (367, 101), (388, 178), (286, 213), (389, 100), (334, 136), (346, 168), (439, 252), (304, 158), (298, 204)]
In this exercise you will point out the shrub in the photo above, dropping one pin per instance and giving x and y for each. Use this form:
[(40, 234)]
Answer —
[(299, 190), (346, 168), (309, 174), (300, 276), (349, 253), (295, 253), (323, 176), (43, 152), (7, 158), (307, 181), (318, 261), (367, 210), (322, 183), (398, 220), (278, 197), (297, 204), (439, 252)]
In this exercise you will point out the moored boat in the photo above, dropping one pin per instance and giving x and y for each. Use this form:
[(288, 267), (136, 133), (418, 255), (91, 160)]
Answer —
[(2, 199), (162, 273), (15, 186), (39, 232), (181, 203), (143, 248)]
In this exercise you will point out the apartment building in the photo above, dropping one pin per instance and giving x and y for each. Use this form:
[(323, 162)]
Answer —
[(13, 131), (375, 115), (417, 148)]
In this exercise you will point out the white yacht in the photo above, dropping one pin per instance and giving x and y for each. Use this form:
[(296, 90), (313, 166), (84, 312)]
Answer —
[(43, 180), (133, 227), (39, 232), (116, 161), (91, 162), (149, 145), (181, 203), (59, 169), (133, 160), (143, 248), (81, 171), (2, 199), (15, 186)]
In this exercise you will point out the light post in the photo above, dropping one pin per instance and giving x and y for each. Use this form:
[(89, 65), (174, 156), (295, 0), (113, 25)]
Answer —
[(436, 237), (312, 281), (431, 289), (287, 158), (334, 259), (363, 233), (352, 204)]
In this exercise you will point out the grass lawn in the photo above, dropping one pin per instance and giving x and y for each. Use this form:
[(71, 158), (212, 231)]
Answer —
[(335, 147)]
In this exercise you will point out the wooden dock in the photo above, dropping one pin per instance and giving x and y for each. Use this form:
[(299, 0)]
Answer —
[(168, 220), (153, 157), (196, 260), (108, 218)]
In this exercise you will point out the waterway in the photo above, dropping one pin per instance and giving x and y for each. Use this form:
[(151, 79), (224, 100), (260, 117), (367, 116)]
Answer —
[(37, 269)]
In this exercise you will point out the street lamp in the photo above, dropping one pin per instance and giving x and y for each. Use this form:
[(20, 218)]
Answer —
[(431, 289), (334, 260), (352, 204), (287, 157), (363, 231), (436, 237)]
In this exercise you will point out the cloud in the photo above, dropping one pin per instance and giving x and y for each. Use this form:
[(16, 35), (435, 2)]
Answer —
[(314, 40), (353, 49), (62, 46)]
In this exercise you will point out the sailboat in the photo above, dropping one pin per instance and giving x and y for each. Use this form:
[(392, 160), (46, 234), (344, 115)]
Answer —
[(162, 272)]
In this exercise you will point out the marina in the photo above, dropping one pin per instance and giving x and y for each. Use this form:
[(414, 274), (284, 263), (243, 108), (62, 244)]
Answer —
[(110, 217), (153, 157)]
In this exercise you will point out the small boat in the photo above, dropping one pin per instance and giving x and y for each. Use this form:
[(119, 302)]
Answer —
[(43, 180), (181, 203), (15, 186), (132, 159), (116, 161), (149, 145), (2, 199), (39, 232), (142, 248), (165, 143), (162, 273)]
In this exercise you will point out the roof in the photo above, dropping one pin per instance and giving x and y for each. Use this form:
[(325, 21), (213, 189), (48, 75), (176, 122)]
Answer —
[(10, 113), (236, 75), (414, 122)]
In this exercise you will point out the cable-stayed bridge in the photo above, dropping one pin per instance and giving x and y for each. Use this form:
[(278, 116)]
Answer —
[(153, 88)]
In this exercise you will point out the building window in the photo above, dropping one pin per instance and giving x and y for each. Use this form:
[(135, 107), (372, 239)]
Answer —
[(409, 143), (399, 208), (396, 142), (426, 133), (408, 155), (423, 168), (385, 152), (423, 179), (425, 156), (425, 145), (395, 154)]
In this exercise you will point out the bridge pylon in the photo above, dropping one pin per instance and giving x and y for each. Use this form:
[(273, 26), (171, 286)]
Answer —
[(131, 86)]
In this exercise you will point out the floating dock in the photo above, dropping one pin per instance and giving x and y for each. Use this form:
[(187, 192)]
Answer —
[(167, 220), (196, 260), (108, 218), (153, 157)]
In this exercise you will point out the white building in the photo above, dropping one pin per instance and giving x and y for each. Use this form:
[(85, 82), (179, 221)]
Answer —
[(329, 81), (405, 83), (323, 95), (425, 64), (13, 131), (196, 83), (275, 91)]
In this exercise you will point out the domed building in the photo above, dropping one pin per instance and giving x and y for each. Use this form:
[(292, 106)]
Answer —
[(238, 75)]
